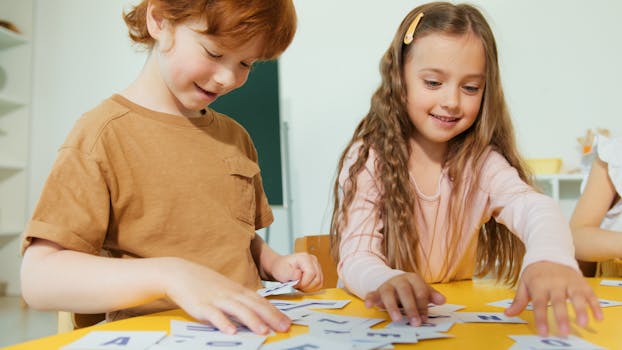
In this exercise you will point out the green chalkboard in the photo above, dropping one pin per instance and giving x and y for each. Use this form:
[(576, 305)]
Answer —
[(256, 106)]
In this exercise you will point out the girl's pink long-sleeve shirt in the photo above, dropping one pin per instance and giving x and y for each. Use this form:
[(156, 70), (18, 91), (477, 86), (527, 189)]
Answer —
[(535, 218)]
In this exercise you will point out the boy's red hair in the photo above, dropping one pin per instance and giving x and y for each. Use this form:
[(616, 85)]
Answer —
[(235, 22)]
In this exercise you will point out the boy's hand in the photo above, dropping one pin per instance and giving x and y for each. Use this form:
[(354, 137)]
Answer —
[(299, 266), (211, 297), (544, 282), (408, 290)]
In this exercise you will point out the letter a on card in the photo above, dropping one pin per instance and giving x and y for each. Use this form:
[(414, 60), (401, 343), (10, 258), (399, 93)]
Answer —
[(113, 340)]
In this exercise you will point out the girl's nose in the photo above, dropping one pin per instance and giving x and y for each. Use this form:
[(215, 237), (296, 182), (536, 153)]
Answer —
[(451, 99)]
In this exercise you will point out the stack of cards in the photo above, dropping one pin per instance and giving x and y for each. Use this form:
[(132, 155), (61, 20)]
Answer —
[(326, 330)]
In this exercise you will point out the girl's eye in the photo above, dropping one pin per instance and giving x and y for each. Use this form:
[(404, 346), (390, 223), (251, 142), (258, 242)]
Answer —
[(246, 65), (471, 89), (431, 83)]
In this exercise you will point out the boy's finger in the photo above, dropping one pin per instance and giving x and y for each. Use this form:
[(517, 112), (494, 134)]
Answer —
[(246, 315), (265, 311), (216, 317)]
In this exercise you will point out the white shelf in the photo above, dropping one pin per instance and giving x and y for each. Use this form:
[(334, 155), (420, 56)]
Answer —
[(559, 177), (9, 38), (555, 179)]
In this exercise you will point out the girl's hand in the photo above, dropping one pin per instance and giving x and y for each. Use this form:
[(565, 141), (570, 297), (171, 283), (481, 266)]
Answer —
[(409, 291), (545, 282), (300, 266), (209, 297)]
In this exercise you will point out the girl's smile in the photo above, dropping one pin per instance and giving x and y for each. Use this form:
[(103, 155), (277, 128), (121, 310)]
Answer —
[(445, 120)]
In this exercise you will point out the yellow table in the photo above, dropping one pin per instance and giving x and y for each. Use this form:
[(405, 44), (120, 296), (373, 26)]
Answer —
[(472, 294)]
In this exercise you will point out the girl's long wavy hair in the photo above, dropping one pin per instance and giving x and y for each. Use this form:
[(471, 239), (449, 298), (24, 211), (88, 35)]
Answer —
[(386, 130)]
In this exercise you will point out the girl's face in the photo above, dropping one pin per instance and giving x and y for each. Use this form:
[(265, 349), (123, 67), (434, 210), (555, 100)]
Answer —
[(444, 77), (196, 69)]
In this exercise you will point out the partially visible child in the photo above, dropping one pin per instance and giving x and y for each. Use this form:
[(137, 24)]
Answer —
[(597, 219), (432, 188), (154, 199)]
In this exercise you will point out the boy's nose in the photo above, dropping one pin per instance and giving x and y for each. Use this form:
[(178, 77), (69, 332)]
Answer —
[(225, 77)]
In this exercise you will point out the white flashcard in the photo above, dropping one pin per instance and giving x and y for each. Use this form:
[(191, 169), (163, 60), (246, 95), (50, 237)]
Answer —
[(336, 321), (338, 334), (201, 329), (444, 309), (345, 335), (435, 323), (424, 334), (286, 305), (116, 340), (609, 303), (173, 342), (505, 303), (306, 342), (487, 317), (543, 343), (278, 288), (614, 283), (357, 344), (325, 304), (303, 319), (389, 335), (213, 341), (290, 308), (297, 314)]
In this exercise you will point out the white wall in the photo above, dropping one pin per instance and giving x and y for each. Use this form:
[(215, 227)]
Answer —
[(559, 63)]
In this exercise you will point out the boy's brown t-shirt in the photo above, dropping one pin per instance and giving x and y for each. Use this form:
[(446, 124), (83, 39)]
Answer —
[(134, 183)]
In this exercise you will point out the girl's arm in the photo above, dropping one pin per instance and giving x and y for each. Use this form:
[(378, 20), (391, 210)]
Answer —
[(362, 265), (300, 266), (591, 242), (550, 273), (54, 278)]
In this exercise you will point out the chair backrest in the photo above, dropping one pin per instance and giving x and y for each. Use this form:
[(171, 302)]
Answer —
[(68, 321), (319, 245)]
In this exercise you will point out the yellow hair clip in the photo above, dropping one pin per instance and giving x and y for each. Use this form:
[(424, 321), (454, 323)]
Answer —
[(410, 33)]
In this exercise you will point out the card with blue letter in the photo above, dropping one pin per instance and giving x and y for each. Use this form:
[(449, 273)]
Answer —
[(116, 340)]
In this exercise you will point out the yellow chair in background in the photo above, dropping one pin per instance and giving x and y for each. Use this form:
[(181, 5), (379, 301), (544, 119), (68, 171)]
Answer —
[(319, 245)]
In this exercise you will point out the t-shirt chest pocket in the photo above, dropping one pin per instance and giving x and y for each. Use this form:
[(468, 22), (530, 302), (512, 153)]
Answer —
[(241, 172)]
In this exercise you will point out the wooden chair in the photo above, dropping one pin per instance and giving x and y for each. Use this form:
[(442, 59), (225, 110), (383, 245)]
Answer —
[(68, 321), (319, 245)]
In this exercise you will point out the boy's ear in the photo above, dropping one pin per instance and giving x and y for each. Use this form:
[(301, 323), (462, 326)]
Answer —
[(155, 22)]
